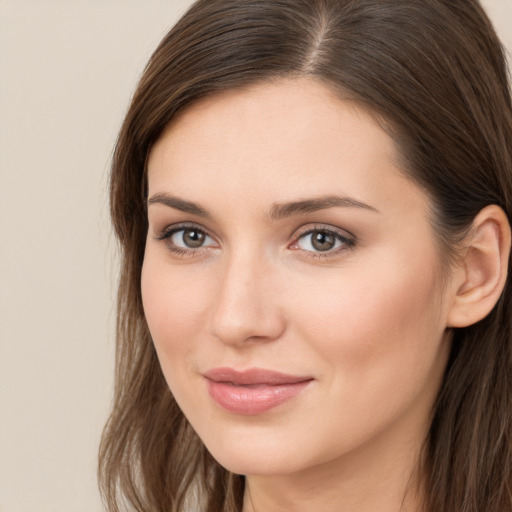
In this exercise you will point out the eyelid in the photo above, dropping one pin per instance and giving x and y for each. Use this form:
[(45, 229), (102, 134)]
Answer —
[(309, 228), (166, 234), (171, 229), (348, 239)]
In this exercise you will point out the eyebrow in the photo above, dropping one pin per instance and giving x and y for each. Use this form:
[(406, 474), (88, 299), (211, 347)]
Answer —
[(277, 211), (179, 204)]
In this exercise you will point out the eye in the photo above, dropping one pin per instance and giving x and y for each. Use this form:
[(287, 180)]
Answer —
[(190, 238), (318, 241), (322, 240), (183, 239)]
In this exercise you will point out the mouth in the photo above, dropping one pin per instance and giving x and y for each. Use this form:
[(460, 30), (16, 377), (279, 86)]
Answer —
[(253, 391)]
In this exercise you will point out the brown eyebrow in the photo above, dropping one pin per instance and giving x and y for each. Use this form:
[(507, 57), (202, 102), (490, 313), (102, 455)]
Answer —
[(278, 211), (179, 204)]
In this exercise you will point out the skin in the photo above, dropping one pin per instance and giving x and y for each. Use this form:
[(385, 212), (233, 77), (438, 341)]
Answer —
[(367, 320)]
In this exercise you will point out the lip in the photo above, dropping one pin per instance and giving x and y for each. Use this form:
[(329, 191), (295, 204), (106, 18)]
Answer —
[(253, 391)]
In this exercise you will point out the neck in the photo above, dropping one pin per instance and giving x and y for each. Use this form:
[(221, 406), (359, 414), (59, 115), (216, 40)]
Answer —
[(373, 477)]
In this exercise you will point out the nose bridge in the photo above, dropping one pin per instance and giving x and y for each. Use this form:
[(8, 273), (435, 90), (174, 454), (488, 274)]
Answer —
[(246, 307)]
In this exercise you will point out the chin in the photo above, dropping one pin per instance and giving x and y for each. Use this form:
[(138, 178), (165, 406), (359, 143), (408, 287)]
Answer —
[(264, 464), (258, 455)]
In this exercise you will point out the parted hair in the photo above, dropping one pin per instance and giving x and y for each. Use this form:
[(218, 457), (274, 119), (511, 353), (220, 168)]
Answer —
[(435, 74)]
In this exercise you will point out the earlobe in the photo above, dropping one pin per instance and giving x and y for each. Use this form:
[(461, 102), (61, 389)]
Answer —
[(482, 270)]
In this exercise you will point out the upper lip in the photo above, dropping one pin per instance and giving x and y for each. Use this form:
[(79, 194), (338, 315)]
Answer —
[(253, 376)]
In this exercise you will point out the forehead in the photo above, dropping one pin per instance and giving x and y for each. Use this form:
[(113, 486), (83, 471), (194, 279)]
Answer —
[(277, 141)]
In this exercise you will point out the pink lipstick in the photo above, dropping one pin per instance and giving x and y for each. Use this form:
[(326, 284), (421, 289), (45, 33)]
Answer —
[(252, 391)]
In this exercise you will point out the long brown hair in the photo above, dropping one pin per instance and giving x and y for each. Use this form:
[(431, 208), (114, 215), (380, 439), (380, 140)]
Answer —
[(435, 73)]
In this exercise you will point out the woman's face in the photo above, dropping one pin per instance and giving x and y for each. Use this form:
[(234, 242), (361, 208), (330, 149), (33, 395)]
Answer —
[(291, 280)]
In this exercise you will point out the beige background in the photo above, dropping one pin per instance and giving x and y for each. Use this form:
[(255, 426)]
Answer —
[(67, 69)]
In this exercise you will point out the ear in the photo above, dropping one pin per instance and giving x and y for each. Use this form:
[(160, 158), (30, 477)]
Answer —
[(482, 271)]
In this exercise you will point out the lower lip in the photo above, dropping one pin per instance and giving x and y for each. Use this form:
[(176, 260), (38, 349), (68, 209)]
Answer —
[(253, 399)]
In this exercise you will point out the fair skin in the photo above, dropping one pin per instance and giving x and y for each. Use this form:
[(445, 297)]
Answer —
[(345, 294)]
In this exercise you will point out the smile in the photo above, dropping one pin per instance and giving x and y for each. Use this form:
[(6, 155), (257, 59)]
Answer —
[(254, 391)]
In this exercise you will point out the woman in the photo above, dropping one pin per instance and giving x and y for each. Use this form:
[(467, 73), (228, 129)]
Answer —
[(313, 202)]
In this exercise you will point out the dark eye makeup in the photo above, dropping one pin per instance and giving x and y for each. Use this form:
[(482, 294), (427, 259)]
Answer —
[(316, 241), (322, 241), (185, 239)]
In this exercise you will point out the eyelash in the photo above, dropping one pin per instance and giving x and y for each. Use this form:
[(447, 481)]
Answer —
[(168, 232), (346, 241)]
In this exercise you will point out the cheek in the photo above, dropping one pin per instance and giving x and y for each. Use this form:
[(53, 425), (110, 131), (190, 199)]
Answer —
[(378, 344), (374, 323), (175, 303)]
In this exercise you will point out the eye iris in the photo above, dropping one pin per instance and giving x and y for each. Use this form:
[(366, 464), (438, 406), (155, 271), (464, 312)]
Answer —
[(193, 238), (322, 241)]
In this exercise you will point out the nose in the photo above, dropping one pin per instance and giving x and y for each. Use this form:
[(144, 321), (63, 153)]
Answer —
[(247, 307)]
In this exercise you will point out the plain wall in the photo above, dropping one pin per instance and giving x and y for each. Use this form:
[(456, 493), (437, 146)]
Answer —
[(67, 70)]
